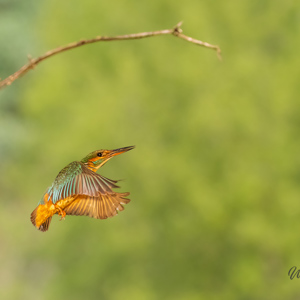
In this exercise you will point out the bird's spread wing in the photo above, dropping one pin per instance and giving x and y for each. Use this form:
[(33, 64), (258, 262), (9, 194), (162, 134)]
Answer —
[(93, 193), (100, 207)]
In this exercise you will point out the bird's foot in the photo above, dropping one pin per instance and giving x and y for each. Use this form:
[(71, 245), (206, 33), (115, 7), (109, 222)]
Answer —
[(62, 217), (62, 213)]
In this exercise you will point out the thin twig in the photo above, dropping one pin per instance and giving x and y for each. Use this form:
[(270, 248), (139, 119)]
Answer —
[(176, 31)]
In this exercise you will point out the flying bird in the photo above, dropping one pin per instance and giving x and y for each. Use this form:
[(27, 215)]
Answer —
[(78, 190)]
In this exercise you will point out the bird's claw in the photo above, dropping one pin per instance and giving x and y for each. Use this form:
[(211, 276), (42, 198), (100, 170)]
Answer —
[(62, 213)]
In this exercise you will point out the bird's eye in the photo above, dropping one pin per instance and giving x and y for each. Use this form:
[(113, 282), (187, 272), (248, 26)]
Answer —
[(99, 154)]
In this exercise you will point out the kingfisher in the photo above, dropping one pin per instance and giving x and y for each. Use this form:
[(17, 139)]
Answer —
[(78, 190)]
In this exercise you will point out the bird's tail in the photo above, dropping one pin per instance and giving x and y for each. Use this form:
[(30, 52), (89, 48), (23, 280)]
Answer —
[(36, 220)]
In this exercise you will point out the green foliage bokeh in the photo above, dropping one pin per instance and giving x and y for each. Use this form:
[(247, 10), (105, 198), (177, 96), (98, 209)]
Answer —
[(214, 176)]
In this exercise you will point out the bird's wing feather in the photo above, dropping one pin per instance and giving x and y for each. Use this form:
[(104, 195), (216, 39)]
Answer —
[(76, 179), (101, 207)]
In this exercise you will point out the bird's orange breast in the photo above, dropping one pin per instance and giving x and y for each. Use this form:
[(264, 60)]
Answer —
[(44, 211)]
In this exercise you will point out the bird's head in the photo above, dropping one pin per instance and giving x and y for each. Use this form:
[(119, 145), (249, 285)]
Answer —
[(98, 158)]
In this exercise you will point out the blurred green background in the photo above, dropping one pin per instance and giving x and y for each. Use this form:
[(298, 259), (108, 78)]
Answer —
[(214, 178)]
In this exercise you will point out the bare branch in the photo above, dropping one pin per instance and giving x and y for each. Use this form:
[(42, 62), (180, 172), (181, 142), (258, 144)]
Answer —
[(176, 31)]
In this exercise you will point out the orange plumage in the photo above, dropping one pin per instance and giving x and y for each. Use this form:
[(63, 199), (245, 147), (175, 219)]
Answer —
[(79, 190)]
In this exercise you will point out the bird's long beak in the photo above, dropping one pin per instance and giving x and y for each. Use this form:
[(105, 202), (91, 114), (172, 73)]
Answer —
[(120, 150)]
